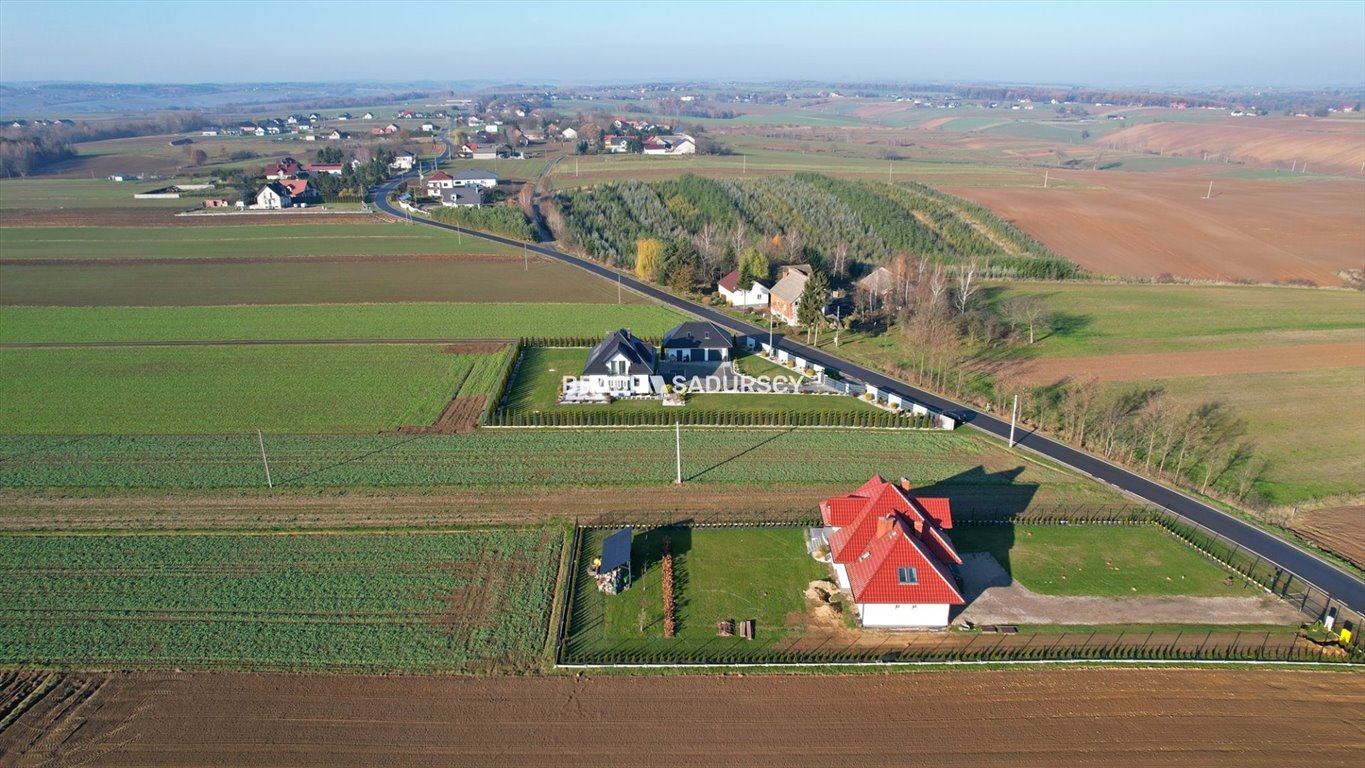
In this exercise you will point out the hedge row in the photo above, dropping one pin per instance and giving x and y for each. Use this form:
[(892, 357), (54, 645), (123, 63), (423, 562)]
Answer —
[(687, 416), (578, 341)]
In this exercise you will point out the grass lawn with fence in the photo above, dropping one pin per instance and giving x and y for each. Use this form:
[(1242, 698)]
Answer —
[(719, 573), (536, 388), (1100, 560)]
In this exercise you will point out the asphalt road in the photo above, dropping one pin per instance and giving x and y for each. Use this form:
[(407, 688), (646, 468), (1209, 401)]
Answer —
[(1343, 587)]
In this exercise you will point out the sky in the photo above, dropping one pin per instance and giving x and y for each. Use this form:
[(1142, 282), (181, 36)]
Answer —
[(1110, 44)]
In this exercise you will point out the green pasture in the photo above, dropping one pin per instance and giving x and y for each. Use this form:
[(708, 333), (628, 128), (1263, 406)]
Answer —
[(198, 390)]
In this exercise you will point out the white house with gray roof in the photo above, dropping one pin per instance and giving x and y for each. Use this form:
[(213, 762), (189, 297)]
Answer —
[(621, 365)]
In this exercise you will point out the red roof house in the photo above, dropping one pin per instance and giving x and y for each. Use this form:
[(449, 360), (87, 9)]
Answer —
[(889, 548)]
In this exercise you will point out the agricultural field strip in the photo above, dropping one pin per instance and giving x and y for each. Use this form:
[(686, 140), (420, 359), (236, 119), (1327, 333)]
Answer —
[(329, 321), (352, 600)]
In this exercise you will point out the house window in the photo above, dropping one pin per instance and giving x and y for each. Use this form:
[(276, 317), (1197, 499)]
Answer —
[(906, 575)]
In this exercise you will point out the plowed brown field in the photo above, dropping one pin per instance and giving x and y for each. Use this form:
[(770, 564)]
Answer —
[(1146, 224), (1340, 530), (1049, 718), (1325, 145)]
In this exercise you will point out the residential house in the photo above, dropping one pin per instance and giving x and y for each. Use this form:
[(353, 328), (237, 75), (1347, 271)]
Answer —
[(889, 548), (485, 151), (757, 295), (461, 197), (569, 134), (273, 196), (338, 135), (786, 294), (698, 341), (429, 127), (681, 144), (367, 116), (438, 181), (392, 128), (403, 161), (330, 168), (475, 178), (622, 365), (286, 168), (301, 193), (616, 144), (209, 132)]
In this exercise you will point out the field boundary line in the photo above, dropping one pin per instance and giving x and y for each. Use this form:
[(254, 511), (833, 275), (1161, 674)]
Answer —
[(964, 663), (242, 343)]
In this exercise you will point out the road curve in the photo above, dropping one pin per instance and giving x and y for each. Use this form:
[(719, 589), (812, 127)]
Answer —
[(1343, 587)]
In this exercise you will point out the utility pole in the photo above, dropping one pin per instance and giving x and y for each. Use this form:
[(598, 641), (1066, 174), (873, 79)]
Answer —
[(838, 323), (677, 431), (771, 348), (1046, 172), (743, 165), (1209, 194), (525, 259), (618, 287), (1013, 417), (888, 173), (265, 461)]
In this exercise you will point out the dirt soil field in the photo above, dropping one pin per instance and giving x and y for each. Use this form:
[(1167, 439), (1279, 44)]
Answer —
[(1160, 365), (1339, 530), (1325, 145), (1118, 718), (1147, 224), (461, 414)]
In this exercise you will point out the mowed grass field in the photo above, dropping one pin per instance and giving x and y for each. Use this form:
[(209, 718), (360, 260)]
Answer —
[(973, 471), (213, 390), (475, 279), (328, 321), (276, 241), (1103, 560), (467, 601)]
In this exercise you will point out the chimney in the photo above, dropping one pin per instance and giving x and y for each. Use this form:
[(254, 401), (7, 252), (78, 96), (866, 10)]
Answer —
[(884, 525), (905, 483)]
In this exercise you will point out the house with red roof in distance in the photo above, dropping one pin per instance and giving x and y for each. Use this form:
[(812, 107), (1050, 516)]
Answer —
[(438, 181), (287, 168), (301, 193), (889, 548)]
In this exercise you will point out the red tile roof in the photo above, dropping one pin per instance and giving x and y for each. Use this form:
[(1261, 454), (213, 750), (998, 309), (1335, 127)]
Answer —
[(731, 281), (881, 528), (296, 187), (439, 176)]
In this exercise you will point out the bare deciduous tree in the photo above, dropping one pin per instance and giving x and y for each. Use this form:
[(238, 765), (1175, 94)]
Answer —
[(966, 286)]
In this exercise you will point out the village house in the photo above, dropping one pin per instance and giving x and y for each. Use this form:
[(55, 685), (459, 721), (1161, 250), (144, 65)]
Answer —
[(756, 296), (273, 196), (621, 365), (333, 169), (786, 294), (879, 282), (438, 181), (888, 548), (461, 197), (475, 177), (473, 151), (680, 144), (698, 341), (616, 144), (286, 168), (569, 134), (338, 135), (403, 161)]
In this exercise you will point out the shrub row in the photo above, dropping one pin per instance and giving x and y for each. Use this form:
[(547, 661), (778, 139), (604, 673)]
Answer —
[(578, 341), (591, 416)]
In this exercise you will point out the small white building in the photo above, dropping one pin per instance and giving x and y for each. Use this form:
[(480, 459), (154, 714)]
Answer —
[(461, 197), (403, 161), (273, 196), (756, 297), (474, 177)]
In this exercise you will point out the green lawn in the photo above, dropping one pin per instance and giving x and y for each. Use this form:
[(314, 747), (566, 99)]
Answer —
[(329, 321), (198, 390), (1104, 560), (536, 388), (455, 601), (745, 573), (59, 194), (236, 241)]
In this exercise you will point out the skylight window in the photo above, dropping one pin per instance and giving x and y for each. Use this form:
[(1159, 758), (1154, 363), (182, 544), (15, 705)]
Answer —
[(906, 575)]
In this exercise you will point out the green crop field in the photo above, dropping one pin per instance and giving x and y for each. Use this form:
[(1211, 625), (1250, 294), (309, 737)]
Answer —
[(468, 601), (536, 388), (1102, 560), (63, 194), (979, 474), (237, 242), (739, 574), (501, 279), (1103, 319), (328, 321), (197, 390)]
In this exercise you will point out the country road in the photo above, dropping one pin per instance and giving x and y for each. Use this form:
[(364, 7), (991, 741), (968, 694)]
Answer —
[(1343, 587)]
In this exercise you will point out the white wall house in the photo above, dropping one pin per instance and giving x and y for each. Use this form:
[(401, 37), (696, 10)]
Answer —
[(622, 366), (757, 296)]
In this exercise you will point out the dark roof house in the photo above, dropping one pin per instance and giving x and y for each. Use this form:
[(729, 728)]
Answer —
[(698, 334), (638, 356)]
